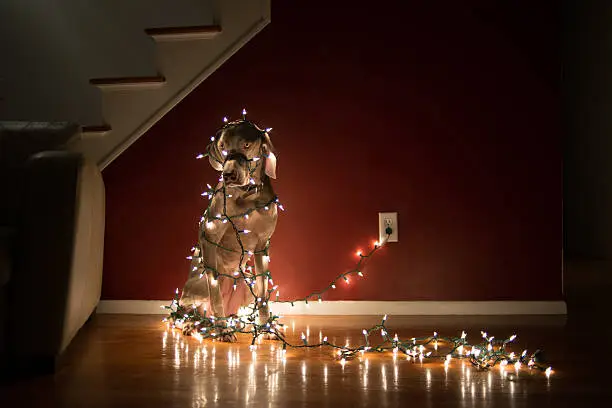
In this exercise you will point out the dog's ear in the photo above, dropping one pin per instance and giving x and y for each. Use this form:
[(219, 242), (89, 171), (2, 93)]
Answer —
[(270, 165), (214, 157)]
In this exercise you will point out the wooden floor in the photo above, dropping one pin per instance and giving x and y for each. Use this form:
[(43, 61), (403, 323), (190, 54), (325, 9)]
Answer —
[(133, 361)]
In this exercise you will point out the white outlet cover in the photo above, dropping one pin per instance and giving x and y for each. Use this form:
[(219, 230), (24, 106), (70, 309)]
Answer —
[(382, 226)]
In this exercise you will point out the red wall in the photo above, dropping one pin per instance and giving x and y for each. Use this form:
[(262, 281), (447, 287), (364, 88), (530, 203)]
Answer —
[(443, 112)]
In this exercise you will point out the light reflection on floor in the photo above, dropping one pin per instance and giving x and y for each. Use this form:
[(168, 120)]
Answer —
[(268, 370)]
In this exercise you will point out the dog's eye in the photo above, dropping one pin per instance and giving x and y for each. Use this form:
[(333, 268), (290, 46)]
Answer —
[(247, 145)]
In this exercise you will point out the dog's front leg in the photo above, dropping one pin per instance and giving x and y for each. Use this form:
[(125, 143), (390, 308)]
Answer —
[(261, 287)]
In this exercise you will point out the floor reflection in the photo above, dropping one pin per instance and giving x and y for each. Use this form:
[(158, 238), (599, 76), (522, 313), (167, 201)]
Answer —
[(268, 374)]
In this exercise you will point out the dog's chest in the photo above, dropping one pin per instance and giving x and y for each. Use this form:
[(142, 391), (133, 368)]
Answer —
[(254, 226)]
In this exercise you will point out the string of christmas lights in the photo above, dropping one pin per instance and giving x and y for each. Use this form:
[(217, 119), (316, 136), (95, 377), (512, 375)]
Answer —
[(484, 355)]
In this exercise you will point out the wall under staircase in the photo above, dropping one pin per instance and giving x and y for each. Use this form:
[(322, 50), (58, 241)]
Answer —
[(114, 66)]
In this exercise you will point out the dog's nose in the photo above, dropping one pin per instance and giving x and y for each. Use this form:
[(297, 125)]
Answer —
[(230, 176)]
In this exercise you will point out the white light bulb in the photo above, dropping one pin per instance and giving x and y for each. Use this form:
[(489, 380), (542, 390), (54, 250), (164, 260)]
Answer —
[(213, 282), (212, 138), (246, 231), (548, 371), (200, 156), (224, 153), (225, 119), (244, 112)]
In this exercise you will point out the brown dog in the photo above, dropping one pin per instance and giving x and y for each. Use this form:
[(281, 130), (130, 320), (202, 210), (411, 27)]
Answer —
[(243, 153)]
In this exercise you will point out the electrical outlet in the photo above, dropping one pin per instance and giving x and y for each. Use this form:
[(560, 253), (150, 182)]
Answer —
[(388, 219)]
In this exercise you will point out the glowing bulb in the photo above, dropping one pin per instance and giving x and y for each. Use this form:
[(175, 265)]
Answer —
[(333, 286), (213, 282), (268, 129), (346, 280), (225, 119), (517, 365), (176, 291), (358, 253), (246, 216), (385, 318), (303, 336), (210, 225), (360, 274), (343, 362), (246, 231), (548, 371), (448, 357), (224, 153), (244, 112), (512, 337), (395, 338), (365, 332), (463, 334), (200, 156), (376, 244), (212, 138), (435, 334)]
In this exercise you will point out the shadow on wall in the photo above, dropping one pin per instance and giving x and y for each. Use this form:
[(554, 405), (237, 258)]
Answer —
[(442, 111)]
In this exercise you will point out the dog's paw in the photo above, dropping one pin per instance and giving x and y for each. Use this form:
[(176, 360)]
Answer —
[(188, 328), (227, 336), (269, 336)]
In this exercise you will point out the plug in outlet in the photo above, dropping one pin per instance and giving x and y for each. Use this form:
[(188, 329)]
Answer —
[(388, 219)]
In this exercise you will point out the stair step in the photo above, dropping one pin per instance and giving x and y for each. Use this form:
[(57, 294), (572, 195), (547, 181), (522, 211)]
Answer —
[(129, 82), (183, 33), (95, 130)]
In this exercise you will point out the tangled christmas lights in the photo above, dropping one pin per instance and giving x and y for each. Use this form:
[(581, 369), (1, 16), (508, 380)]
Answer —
[(486, 354)]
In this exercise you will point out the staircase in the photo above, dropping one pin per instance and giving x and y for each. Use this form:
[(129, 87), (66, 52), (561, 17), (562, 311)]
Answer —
[(184, 56)]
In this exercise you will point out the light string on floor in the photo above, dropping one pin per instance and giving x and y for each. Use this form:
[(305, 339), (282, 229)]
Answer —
[(486, 354)]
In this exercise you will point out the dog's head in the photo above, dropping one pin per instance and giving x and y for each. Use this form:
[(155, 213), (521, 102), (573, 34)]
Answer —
[(239, 150)]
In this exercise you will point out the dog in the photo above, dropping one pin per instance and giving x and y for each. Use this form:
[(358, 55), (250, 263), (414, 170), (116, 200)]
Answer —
[(243, 153)]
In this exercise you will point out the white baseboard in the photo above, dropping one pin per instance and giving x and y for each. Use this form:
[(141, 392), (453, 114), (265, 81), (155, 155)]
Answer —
[(365, 307)]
